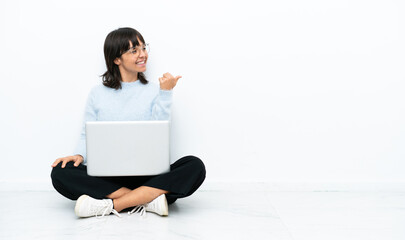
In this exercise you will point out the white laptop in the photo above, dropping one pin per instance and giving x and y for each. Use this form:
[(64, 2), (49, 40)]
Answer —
[(127, 148)]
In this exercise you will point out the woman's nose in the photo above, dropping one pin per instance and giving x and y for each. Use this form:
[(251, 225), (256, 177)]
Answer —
[(142, 53)]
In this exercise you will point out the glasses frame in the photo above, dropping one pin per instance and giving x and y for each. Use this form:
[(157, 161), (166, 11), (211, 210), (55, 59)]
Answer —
[(145, 49)]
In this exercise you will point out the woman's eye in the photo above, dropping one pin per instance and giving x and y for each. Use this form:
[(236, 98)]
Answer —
[(133, 51)]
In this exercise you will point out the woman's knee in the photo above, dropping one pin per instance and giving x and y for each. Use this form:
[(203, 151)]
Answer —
[(58, 172), (196, 164), (198, 172), (60, 176)]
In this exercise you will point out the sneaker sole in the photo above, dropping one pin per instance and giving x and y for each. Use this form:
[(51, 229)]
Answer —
[(79, 204), (165, 207)]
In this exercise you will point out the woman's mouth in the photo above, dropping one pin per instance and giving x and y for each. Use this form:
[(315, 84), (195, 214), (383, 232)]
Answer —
[(141, 63)]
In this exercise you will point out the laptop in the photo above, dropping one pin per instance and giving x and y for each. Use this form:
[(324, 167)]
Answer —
[(127, 148)]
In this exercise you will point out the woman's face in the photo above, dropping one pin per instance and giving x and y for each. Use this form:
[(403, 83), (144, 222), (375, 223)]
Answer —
[(134, 60)]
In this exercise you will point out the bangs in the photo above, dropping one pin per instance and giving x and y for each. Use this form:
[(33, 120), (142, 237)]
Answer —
[(128, 35), (134, 40)]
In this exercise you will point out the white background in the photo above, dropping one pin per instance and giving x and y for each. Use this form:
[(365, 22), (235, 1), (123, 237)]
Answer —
[(274, 91)]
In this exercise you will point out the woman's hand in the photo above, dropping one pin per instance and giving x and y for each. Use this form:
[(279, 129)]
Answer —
[(77, 159), (168, 82)]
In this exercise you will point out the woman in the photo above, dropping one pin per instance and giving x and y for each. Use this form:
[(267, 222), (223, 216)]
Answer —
[(126, 95)]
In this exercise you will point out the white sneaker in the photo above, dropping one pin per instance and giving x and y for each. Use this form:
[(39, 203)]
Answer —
[(87, 206), (158, 206)]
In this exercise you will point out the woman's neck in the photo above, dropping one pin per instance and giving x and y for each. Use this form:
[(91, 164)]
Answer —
[(129, 77)]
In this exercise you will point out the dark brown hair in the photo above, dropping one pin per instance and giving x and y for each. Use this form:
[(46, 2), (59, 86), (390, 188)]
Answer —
[(115, 44)]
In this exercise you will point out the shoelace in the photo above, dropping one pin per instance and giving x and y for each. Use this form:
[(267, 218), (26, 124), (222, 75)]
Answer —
[(106, 206), (139, 209), (116, 213)]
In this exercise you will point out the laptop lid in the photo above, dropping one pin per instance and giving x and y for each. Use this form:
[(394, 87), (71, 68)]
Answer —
[(127, 148)]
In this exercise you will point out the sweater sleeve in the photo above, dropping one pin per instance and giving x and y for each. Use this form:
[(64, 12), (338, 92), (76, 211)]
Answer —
[(89, 115), (161, 105)]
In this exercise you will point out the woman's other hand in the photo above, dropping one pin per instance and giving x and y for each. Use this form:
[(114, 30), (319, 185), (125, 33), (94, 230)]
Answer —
[(168, 82), (77, 159)]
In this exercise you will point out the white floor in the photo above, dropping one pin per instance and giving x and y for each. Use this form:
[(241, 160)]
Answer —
[(215, 214)]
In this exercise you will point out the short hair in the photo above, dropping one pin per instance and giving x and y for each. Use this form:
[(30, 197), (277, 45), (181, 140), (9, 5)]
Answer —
[(116, 44)]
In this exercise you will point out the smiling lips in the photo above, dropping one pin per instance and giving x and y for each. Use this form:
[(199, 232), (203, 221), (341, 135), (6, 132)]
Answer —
[(141, 63)]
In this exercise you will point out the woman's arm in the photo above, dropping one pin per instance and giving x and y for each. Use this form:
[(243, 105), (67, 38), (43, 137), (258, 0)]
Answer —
[(89, 115), (80, 151), (162, 102)]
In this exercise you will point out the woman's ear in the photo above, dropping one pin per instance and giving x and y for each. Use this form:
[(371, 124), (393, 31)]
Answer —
[(117, 61)]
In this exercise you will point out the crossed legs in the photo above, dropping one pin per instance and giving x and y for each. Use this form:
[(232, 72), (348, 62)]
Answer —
[(185, 177), (124, 197)]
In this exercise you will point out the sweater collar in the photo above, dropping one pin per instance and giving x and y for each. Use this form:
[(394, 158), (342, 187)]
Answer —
[(130, 84)]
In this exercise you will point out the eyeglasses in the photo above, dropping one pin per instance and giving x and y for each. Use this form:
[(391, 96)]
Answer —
[(137, 49)]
